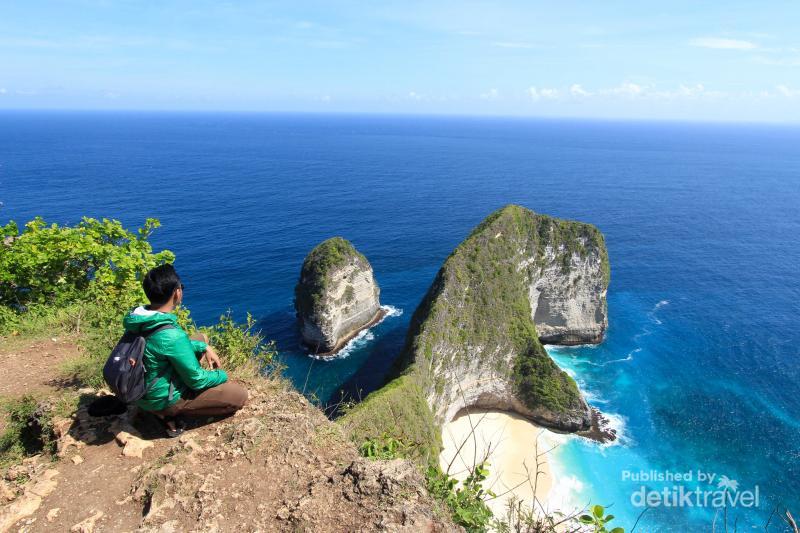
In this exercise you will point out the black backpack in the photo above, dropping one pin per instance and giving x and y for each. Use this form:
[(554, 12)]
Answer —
[(124, 370)]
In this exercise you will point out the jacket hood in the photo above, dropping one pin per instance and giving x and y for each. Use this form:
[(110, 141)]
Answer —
[(141, 319)]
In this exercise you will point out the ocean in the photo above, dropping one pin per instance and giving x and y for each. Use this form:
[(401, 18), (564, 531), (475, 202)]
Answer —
[(700, 368)]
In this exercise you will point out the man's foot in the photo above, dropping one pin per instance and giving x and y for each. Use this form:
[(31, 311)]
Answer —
[(173, 426)]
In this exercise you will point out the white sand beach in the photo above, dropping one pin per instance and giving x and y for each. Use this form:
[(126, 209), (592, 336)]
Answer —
[(512, 444)]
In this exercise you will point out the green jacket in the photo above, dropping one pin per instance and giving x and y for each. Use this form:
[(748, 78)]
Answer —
[(170, 352)]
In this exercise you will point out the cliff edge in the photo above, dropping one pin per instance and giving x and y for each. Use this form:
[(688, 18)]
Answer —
[(336, 296)]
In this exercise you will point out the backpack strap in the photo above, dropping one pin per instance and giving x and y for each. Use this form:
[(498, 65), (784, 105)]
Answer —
[(167, 370)]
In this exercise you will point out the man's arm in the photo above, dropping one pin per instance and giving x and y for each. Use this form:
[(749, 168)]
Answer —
[(186, 365)]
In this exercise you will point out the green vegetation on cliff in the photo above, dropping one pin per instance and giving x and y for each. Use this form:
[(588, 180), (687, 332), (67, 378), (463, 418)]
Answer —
[(397, 411), (478, 305), (327, 255)]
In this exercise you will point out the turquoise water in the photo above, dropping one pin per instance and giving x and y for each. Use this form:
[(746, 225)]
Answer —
[(700, 366)]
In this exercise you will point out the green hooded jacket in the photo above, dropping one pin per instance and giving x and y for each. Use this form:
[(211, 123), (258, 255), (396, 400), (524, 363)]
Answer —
[(173, 355)]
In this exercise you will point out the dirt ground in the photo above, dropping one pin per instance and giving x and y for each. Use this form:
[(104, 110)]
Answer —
[(32, 366), (277, 465)]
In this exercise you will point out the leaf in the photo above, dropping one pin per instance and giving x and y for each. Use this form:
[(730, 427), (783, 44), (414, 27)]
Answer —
[(597, 511), (586, 519)]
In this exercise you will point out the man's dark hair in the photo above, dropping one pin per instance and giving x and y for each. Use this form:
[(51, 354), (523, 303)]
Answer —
[(160, 283)]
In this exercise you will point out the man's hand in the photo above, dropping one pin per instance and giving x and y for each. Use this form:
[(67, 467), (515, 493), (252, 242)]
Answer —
[(212, 358)]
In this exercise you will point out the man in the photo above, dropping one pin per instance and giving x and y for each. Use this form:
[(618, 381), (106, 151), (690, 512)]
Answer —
[(181, 387)]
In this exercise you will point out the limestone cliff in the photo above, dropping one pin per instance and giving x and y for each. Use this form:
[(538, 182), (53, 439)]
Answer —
[(473, 340), (336, 296)]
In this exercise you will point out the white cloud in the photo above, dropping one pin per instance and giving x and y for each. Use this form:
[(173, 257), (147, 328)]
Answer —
[(627, 89), (511, 44), (544, 93), (491, 94), (787, 91), (413, 95), (577, 91), (719, 43), (3, 90), (690, 90)]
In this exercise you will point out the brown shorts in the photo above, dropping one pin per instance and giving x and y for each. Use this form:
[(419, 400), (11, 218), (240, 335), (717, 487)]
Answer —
[(222, 400)]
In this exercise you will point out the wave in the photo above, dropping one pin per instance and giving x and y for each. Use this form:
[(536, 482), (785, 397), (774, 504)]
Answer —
[(364, 337), (652, 314), (391, 311), (359, 341)]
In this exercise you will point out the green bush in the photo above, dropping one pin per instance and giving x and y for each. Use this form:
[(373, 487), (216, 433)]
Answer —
[(239, 346), (383, 447), (29, 430), (467, 501), (55, 265), (599, 520)]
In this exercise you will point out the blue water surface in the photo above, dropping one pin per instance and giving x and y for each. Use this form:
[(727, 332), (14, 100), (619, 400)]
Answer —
[(702, 222)]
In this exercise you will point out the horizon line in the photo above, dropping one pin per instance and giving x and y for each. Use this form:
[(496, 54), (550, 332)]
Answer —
[(401, 114)]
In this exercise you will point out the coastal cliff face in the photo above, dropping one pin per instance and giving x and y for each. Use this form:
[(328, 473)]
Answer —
[(475, 339), (336, 296), (568, 303)]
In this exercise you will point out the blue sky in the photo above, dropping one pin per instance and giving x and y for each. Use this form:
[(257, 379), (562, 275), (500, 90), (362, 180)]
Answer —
[(722, 60)]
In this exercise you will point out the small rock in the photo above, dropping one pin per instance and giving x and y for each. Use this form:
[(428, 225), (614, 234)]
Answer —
[(127, 436), (52, 514), (87, 525), (77, 459), (135, 447), (7, 492)]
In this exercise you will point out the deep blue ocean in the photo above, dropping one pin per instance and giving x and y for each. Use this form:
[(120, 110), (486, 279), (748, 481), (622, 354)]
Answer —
[(701, 365)]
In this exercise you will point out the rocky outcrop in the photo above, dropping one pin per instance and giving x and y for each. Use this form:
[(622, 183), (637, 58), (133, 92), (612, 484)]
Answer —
[(474, 341), (336, 297)]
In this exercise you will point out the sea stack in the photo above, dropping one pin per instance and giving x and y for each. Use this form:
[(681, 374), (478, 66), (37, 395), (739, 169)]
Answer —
[(336, 297)]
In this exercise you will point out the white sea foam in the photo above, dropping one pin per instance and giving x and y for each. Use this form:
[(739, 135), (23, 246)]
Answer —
[(628, 357), (364, 337), (391, 311), (618, 423), (652, 313)]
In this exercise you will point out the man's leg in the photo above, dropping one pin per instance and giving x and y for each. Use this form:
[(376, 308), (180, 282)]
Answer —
[(222, 400)]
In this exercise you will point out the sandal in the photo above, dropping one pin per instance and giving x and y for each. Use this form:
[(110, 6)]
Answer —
[(173, 426)]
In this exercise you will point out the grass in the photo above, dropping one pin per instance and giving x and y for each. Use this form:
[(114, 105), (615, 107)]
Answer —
[(29, 429), (397, 411)]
